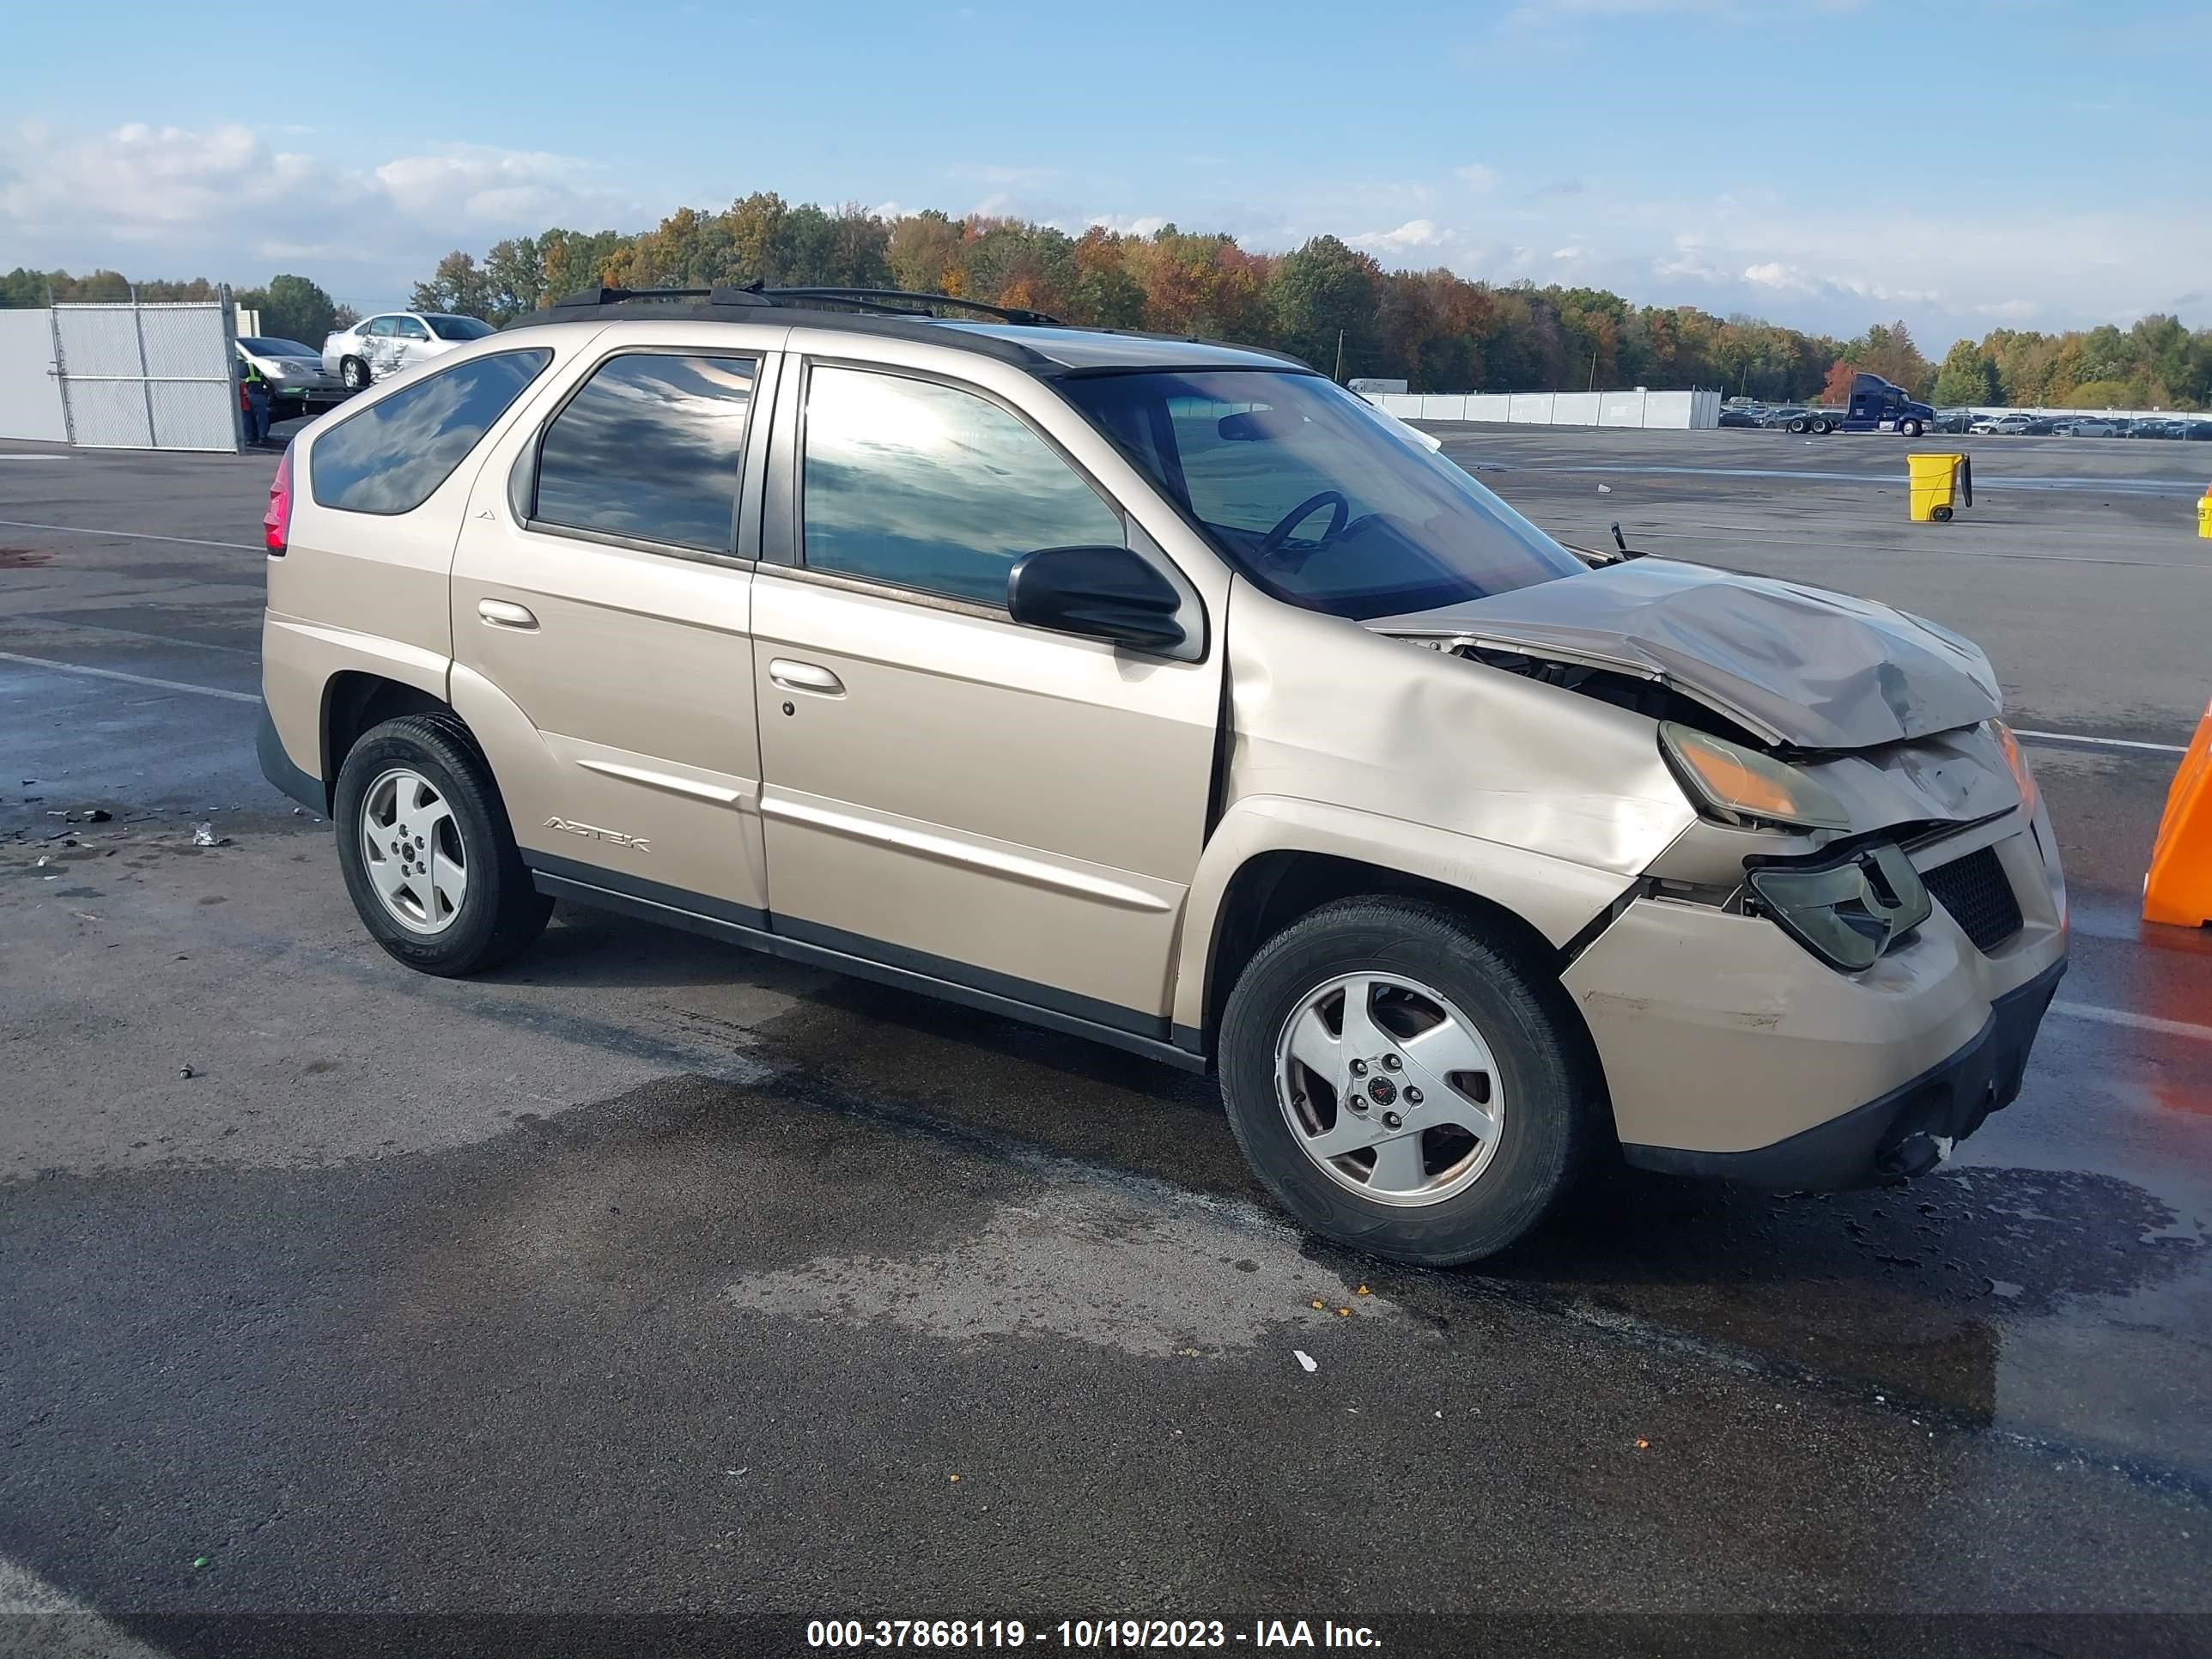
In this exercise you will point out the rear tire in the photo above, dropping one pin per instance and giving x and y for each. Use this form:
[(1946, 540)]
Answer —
[(1799, 424), (442, 888), (1822, 427), (1537, 1082), (353, 374), (1941, 514)]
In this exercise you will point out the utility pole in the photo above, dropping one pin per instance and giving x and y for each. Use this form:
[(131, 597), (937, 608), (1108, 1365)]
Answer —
[(1340, 357)]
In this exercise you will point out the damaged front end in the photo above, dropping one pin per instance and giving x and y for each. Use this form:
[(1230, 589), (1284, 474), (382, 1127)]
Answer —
[(1833, 973)]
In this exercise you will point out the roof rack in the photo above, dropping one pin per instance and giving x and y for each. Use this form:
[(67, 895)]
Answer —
[(876, 301), (876, 298)]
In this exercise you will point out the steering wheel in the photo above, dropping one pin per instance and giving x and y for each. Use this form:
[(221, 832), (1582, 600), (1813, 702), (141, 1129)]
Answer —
[(1274, 540)]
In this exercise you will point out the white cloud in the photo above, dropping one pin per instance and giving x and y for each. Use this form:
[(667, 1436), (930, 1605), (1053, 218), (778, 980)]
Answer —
[(1775, 274), (224, 203), (1142, 224), (1476, 176), (1566, 254), (1415, 233)]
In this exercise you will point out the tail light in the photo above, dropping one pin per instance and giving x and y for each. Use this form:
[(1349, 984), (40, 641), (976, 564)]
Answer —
[(277, 522)]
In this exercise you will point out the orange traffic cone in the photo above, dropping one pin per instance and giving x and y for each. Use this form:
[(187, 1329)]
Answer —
[(2178, 889)]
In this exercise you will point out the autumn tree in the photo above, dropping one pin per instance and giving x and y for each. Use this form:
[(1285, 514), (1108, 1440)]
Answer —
[(457, 285)]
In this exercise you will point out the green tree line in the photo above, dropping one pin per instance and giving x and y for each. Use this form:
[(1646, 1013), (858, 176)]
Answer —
[(1326, 301), (291, 307)]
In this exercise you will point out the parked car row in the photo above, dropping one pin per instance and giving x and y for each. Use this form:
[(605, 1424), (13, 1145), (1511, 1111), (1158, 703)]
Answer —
[(1801, 417), (2198, 428)]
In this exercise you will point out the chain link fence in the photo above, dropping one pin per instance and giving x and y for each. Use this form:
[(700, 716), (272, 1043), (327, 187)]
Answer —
[(155, 376)]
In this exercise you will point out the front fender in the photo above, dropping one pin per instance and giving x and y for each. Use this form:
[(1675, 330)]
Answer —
[(1557, 897)]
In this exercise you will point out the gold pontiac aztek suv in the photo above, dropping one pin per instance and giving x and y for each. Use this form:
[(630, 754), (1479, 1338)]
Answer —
[(1163, 693)]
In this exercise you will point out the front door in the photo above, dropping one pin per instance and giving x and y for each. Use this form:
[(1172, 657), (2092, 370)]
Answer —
[(599, 629), (409, 345), (943, 788)]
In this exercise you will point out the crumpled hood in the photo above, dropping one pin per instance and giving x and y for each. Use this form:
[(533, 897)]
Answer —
[(1796, 666)]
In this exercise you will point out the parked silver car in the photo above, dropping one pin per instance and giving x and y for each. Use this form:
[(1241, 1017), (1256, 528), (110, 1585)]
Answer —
[(298, 383), (384, 344)]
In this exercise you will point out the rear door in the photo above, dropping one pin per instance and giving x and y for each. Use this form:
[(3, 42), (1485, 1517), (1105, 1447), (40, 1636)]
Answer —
[(944, 789), (601, 592)]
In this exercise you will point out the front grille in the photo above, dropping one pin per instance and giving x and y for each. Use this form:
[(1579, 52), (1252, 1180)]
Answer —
[(1978, 895)]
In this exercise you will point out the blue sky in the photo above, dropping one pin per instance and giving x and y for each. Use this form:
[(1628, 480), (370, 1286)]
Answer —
[(1960, 163)]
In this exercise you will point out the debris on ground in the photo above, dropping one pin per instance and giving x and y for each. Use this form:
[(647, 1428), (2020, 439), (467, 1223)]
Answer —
[(1604, 490), (186, 1072), (204, 835), (1305, 1359)]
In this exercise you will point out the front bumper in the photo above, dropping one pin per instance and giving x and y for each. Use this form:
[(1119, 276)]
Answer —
[(1728, 1050), (1906, 1132)]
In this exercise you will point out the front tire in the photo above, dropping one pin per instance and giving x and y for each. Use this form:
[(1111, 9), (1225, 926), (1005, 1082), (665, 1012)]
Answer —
[(430, 859), (1476, 1110), (1909, 428)]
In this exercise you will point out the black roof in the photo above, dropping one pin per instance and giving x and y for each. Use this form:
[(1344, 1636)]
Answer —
[(1028, 340)]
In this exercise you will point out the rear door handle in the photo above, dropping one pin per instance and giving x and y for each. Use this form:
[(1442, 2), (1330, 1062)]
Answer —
[(504, 613), (805, 677)]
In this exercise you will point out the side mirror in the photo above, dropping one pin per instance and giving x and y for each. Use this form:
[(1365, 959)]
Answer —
[(1101, 592)]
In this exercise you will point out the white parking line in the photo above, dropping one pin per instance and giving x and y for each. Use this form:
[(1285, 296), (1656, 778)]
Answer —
[(2100, 743), (133, 679), (70, 1627), (128, 535), (2179, 1028)]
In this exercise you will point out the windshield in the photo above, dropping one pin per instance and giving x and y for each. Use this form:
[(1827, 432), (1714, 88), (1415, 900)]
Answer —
[(458, 328), (268, 345), (1314, 495)]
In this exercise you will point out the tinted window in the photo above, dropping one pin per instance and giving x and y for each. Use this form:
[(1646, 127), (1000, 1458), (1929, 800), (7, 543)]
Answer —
[(650, 448), (458, 328), (407, 328), (933, 488), (1318, 498), (390, 456), (267, 346)]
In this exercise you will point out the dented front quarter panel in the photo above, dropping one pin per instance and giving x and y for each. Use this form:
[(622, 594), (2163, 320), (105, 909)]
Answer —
[(1345, 742)]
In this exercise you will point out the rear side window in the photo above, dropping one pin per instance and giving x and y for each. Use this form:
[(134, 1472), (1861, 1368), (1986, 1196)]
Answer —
[(650, 449), (927, 486), (393, 455)]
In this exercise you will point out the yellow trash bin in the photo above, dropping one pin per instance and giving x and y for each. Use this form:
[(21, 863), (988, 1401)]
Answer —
[(2204, 516), (1938, 480)]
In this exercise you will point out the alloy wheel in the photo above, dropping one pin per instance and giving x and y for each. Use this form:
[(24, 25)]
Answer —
[(1389, 1088), (411, 847)]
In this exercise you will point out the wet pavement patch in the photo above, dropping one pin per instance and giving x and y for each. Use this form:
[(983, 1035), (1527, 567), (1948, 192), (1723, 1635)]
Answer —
[(715, 1348)]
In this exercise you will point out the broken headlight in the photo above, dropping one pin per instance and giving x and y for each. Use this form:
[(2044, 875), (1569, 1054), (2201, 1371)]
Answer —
[(1845, 912), (1741, 786), (2016, 763)]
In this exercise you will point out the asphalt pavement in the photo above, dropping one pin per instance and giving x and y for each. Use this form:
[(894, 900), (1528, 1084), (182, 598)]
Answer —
[(649, 1280)]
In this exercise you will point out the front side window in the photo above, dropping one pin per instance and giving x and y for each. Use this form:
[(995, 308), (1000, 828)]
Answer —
[(1316, 497), (930, 487), (650, 448), (407, 328), (393, 454)]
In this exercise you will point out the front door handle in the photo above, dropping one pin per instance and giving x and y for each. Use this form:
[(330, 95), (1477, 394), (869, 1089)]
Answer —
[(805, 677), (504, 613)]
